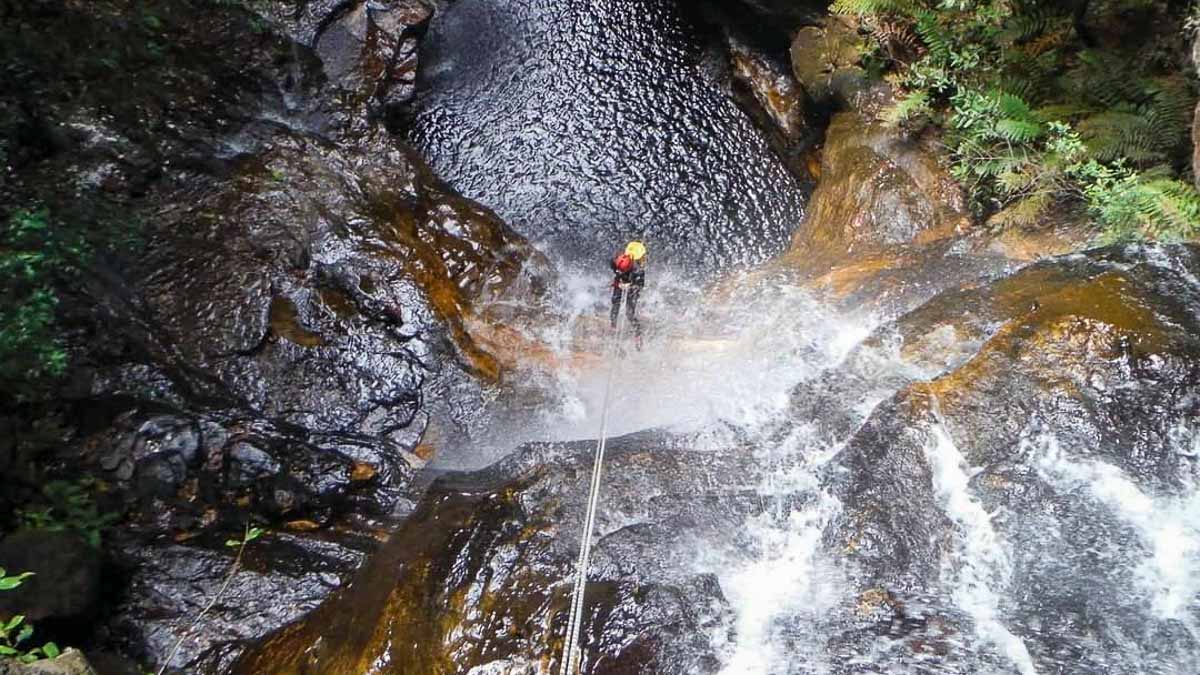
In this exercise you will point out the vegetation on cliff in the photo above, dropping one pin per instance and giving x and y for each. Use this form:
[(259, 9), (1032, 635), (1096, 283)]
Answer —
[(1044, 102)]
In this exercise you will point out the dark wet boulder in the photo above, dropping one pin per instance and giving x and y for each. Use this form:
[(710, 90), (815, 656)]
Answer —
[(765, 89), (281, 577), (370, 48), (65, 586), (479, 576), (771, 22)]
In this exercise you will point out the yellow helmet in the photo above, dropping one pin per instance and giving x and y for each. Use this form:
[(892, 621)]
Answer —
[(636, 250)]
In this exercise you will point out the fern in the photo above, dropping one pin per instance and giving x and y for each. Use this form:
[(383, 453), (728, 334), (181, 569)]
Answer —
[(936, 38), (1031, 116), (1138, 206), (913, 105), (872, 7), (1121, 133)]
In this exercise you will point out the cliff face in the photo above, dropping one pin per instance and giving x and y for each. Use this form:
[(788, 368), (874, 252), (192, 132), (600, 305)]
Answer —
[(299, 284)]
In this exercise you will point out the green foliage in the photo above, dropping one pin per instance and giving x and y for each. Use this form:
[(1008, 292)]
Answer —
[(15, 633), (1134, 204), (69, 506), (9, 582), (1033, 115), (40, 255), (30, 259), (250, 535)]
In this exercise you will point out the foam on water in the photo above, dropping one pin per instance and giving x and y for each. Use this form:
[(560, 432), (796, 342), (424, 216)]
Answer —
[(980, 566), (702, 364), (724, 364), (783, 575), (1167, 525)]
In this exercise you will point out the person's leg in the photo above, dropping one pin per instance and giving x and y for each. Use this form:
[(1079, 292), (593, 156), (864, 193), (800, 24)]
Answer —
[(632, 301), (616, 305)]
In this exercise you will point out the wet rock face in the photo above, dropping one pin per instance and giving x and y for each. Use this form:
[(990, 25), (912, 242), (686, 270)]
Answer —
[(877, 192), (975, 519), (1083, 381), (825, 59), (295, 312), (283, 576), (368, 50), (479, 577), (586, 123), (323, 284)]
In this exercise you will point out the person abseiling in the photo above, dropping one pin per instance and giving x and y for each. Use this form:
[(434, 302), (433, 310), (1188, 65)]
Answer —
[(629, 270)]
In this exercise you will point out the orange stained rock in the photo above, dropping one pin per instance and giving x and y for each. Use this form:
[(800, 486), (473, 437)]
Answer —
[(362, 471), (402, 615), (285, 323), (1051, 319)]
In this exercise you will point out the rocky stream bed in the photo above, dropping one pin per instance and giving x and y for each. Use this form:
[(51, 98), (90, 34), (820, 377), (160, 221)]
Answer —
[(867, 433)]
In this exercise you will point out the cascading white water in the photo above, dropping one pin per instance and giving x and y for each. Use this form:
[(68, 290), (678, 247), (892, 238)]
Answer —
[(725, 366), (979, 568), (1167, 526)]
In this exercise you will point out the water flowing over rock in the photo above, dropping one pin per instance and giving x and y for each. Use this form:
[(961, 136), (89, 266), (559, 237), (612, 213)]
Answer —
[(492, 549), (586, 123), (980, 508)]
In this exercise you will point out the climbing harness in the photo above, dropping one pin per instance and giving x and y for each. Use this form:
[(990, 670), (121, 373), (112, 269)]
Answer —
[(572, 649)]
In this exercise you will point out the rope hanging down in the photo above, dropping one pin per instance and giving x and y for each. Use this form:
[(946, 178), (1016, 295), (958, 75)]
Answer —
[(572, 649)]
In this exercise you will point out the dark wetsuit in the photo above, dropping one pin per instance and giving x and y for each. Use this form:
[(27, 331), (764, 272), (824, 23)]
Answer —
[(636, 278)]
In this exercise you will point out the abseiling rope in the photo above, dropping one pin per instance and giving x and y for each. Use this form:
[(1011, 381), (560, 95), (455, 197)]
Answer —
[(572, 651)]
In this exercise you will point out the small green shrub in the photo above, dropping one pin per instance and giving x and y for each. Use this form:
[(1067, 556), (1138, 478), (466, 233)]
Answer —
[(1033, 115), (69, 506), (30, 259), (16, 632)]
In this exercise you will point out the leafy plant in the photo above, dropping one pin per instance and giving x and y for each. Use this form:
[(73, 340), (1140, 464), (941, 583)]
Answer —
[(1034, 114), (30, 257), (16, 632), (69, 506), (9, 582)]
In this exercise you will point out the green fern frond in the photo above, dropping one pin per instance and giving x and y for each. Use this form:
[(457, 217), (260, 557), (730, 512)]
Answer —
[(1122, 133), (1103, 78), (1013, 106), (1019, 131), (935, 36), (1028, 23), (912, 105), (872, 7), (1170, 208)]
